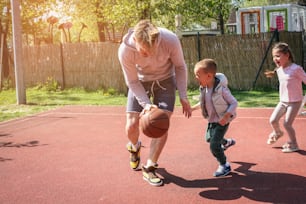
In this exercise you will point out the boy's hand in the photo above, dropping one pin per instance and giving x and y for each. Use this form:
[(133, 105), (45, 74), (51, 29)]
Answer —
[(196, 107), (224, 120)]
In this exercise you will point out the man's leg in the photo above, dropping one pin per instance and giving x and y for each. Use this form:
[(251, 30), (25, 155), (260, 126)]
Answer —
[(157, 145), (132, 127), (164, 98), (132, 130), (134, 146)]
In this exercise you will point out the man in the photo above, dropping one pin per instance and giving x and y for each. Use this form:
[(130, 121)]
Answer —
[(153, 65)]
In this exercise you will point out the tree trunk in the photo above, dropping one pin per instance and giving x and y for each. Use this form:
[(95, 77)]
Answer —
[(221, 21), (5, 62), (101, 30)]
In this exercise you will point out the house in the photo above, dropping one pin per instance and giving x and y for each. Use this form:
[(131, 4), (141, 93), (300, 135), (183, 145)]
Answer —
[(289, 17)]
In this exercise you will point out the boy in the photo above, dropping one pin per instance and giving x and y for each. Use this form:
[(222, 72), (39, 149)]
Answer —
[(218, 106)]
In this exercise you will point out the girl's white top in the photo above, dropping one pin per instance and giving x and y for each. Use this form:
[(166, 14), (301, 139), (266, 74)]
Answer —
[(290, 83)]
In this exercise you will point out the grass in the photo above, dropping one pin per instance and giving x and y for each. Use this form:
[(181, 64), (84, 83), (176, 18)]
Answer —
[(250, 99), (39, 100)]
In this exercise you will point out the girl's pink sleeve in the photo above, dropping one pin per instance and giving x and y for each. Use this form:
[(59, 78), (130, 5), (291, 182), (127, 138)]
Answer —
[(301, 74)]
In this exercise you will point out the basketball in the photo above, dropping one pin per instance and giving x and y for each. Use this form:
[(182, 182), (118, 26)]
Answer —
[(154, 123)]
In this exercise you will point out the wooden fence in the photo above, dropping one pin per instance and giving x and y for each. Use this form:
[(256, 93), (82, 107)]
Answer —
[(239, 56), (96, 66), (87, 65)]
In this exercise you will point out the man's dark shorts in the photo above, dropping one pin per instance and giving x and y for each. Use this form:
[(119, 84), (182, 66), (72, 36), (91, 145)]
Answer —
[(161, 93)]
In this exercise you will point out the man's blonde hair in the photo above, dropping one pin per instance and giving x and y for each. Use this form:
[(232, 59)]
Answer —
[(206, 66), (146, 32)]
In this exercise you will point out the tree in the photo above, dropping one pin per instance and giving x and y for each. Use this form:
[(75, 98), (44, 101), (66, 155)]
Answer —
[(105, 19), (133, 11), (194, 12), (4, 67), (34, 27), (100, 15)]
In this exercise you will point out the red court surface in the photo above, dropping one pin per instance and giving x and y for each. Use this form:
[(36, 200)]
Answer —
[(76, 154)]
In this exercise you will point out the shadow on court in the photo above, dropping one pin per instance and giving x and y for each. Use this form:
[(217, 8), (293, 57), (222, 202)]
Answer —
[(243, 182)]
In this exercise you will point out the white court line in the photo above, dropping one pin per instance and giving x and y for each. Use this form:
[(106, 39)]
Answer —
[(54, 113), (175, 115)]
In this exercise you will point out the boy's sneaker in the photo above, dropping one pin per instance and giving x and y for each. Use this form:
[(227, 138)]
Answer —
[(223, 170), (150, 176), (273, 137), (230, 142), (134, 156)]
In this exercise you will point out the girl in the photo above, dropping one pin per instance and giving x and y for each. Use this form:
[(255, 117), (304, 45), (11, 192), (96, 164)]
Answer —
[(290, 76)]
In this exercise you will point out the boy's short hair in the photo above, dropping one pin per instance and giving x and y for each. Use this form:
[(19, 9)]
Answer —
[(206, 66), (146, 32)]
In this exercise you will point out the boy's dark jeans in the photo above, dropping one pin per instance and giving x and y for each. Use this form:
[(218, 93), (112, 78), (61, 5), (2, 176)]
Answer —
[(214, 135)]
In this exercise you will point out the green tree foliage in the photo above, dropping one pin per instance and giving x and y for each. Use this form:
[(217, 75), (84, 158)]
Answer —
[(34, 25), (200, 12), (107, 20), (99, 20)]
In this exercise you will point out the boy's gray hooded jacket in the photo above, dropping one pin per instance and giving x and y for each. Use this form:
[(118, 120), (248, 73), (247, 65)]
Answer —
[(221, 106)]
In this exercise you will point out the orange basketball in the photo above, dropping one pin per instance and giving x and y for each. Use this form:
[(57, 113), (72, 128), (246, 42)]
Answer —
[(154, 123)]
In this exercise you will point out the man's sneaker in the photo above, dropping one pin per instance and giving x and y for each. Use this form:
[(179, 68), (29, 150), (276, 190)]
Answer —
[(150, 176), (229, 143), (273, 137), (134, 156), (223, 170)]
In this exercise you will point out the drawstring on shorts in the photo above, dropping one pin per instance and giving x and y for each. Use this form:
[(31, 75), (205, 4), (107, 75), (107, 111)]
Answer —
[(158, 84)]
